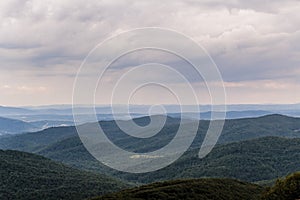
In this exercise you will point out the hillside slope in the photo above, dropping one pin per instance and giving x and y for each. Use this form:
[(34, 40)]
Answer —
[(234, 130), (264, 158), (29, 176), (204, 189), (286, 188), (13, 126), (253, 160)]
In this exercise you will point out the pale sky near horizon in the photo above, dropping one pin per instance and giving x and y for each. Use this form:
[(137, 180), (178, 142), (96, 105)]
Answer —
[(255, 45)]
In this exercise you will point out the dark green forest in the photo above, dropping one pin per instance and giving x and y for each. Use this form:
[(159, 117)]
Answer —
[(29, 176), (285, 188), (255, 150), (204, 189)]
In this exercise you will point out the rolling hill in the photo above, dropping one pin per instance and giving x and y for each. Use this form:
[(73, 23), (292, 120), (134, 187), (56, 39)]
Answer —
[(234, 130), (287, 188), (229, 114), (29, 176), (5, 110), (44, 124), (9, 126), (255, 160), (247, 149), (13, 126), (204, 189)]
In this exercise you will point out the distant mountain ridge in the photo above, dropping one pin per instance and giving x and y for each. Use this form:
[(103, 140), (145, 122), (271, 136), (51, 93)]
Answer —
[(10, 126), (229, 114), (13, 126), (65, 112), (240, 138), (234, 130), (4, 110)]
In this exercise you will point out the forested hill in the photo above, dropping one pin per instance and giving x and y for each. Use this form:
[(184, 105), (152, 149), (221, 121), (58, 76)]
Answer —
[(29, 176), (204, 189), (234, 130)]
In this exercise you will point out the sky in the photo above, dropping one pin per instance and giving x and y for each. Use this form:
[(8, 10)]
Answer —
[(255, 45)]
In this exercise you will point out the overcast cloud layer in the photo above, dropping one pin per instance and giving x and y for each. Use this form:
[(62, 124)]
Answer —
[(255, 44)]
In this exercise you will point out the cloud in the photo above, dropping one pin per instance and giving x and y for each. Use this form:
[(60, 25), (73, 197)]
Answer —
[(44, 42), (5, 87), (31, 89)]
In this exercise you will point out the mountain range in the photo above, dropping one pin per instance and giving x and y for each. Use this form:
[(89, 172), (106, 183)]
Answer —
[(57, 115), (10, 126), (14, 126), (256, 150), (252, 149), (29, 176)]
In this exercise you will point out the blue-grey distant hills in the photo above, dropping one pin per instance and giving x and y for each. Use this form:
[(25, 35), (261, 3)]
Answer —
[(27, 119), (4, 111), (229, 114), (172, 108), (14, 126), (286, 109), (250, 149)]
